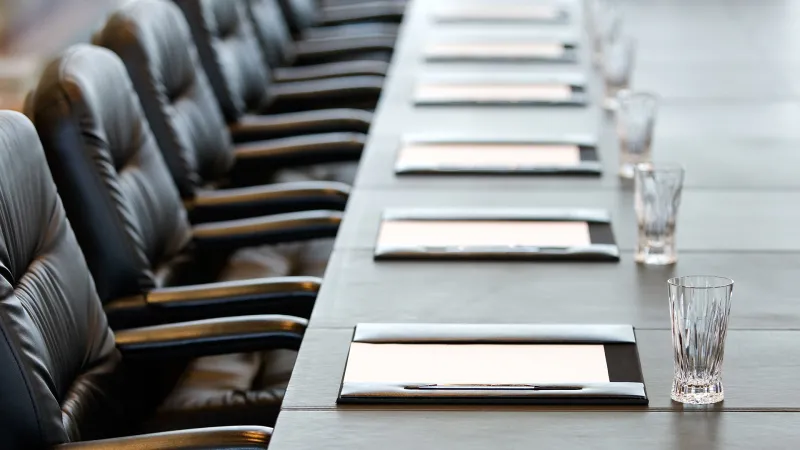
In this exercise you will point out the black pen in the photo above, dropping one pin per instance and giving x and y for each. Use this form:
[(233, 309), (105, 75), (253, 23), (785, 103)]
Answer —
[(494, 387)]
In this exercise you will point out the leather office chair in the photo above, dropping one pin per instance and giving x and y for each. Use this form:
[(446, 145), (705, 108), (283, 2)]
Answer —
[(292, 61), (128, 217), (242, 81), (308, 21), (65, 378), (331, 3), (153, 40)]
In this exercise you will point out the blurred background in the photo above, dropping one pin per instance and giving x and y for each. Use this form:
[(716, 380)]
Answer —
[(31, 31)]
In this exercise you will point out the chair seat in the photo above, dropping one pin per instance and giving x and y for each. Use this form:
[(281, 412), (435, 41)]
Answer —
[(242, 388), (307, 258), (344, 172), (235, 389)]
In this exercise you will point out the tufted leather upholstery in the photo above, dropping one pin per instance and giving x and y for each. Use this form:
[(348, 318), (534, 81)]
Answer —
[(231, 56), (307, 21), (153, 40), (62, 377), (59, 364), (117, 190), (280, 50), (176, 96)]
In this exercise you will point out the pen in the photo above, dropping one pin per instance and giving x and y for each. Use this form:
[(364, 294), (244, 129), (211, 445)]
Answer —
[(494, 387)]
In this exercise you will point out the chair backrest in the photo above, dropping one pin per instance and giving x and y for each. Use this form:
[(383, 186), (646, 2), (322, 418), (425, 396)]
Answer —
[(57, 354), (300, 14), (153, 40), (272, 32), (230, 54), (117, 190)]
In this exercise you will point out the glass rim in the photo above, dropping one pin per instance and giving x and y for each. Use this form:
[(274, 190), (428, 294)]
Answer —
[(627, 94), (723, 281), (655, 167)]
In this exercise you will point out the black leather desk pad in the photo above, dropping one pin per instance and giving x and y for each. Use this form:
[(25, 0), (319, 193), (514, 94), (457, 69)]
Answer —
[(434, 53), (462, 92), (588, 162), (601, 245), (625, 383)]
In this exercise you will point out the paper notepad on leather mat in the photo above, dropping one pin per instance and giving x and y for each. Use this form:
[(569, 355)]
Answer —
[(476, 363), (488, 155), (477, 233), (502, 13), (483, 92), (495, 50)]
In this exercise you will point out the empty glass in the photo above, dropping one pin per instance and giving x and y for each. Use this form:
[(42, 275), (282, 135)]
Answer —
[(699, 309), (656, 201), (618, 59), (635, 117), (605, 24)]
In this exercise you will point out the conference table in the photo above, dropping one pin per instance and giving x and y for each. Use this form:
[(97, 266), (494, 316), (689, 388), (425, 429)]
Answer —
[(724, 70)]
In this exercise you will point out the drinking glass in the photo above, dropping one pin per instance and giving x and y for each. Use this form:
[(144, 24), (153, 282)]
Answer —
[(635, 117), (699, 309), (656, 200), (618, 60), (605, 25)]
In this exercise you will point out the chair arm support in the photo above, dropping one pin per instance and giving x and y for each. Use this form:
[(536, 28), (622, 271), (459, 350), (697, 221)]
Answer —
[(249, 437), (212, 337)]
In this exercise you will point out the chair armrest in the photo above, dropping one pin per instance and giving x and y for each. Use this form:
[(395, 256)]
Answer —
[(245, 202), (289, 227), (316, 50), (343, 92), (258, 127), (331, 70), (249, 437), (298, 151), (212, 337), (293, 296), (364, 12)]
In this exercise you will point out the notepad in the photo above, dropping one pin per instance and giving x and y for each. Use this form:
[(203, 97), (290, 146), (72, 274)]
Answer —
[(476, 363), (502, 13), (477, 233), (490, 155), (481, 92), (495, 50)]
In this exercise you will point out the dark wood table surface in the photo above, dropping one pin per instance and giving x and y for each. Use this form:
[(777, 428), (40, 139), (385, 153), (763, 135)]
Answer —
[(726, 72)]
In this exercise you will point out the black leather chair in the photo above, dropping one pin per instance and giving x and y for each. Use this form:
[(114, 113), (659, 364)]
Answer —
[(153, 40), (308, 21), (242, 81), (127, 214), (66, 379), (297, 61)]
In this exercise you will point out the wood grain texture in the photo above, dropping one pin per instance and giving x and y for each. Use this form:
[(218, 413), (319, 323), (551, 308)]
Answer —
[(351, 430), (708, 220), (358, 289), (759, 374)]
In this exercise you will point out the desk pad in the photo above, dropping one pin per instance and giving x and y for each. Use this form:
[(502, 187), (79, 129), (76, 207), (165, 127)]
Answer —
[(496, 234), (503, 13), (501, 51), (460, 363), (501, 158), (494, 93)]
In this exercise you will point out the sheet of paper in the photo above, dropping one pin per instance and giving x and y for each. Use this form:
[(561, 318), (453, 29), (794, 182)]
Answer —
[(477, 233), (430, 91), (501, 12), (496, 50), (488, 155), (476, 364)]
